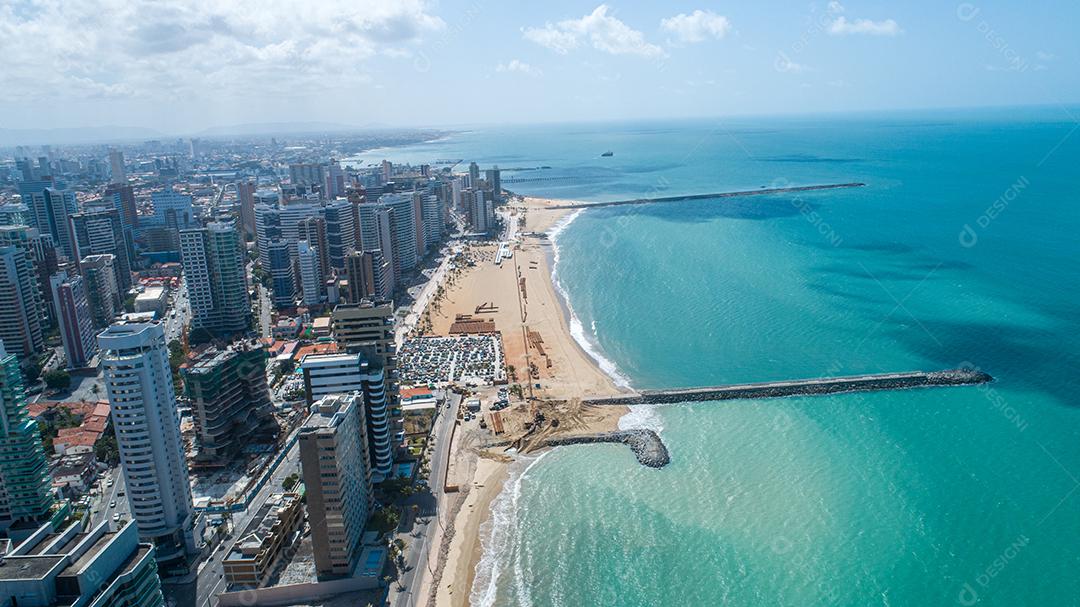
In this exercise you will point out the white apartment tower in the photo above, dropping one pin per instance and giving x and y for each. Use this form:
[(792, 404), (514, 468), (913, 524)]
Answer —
[(135, 362)]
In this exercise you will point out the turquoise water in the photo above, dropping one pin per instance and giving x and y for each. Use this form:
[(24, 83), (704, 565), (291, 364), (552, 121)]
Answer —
[(930, 497)]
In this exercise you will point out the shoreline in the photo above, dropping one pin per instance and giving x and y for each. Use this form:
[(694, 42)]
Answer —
[(567, 373)]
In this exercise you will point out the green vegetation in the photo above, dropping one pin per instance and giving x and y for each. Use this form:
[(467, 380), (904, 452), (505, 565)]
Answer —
[(106, 450), (177, 355), (58, 379), (384, 520), (32, 371), (395, 488), (62, 418), (129, 303), (290, 482)]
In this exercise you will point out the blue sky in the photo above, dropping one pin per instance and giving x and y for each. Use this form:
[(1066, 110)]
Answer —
[(183, 65)]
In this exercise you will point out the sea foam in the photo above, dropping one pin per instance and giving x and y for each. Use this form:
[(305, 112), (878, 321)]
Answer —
[(499, 539), (577, 329)]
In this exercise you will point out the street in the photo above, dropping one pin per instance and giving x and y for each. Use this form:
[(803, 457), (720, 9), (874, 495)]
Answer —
[(417, 557)]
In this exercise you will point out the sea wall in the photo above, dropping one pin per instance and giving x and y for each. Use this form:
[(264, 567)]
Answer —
[(646, 444), (807, 387)]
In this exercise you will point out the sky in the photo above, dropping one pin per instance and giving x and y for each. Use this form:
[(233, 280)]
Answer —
[(179, 66)]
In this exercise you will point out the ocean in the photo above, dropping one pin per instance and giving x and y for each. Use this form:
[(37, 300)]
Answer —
[(962, 249)]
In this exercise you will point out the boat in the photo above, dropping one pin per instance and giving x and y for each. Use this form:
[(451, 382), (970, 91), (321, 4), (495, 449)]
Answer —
[(607, 154)]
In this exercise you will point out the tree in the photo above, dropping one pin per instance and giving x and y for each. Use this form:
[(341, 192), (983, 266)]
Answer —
[(58, 379), (290, 482), (106, 450)]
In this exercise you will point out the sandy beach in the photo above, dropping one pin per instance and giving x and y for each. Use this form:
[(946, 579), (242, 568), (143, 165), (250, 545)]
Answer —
[(518, 295)]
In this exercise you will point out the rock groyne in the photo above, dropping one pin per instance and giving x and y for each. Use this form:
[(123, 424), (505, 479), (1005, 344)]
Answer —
[(802, 387), (646, 444)]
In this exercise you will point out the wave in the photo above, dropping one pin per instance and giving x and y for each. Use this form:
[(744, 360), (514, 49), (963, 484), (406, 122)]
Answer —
[(577, 329), (499, 541), (642, 416)]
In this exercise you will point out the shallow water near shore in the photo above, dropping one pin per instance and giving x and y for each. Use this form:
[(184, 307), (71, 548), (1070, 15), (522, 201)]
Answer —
[(961, 249)]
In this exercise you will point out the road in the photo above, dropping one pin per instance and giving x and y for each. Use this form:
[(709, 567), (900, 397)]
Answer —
[(418, 553), (210, 580), (265, 309), (425, 295), (99, 506), (174, 325)]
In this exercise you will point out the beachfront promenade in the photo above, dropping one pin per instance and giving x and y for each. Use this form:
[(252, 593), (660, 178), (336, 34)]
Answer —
[(686, 197), (802, 387)]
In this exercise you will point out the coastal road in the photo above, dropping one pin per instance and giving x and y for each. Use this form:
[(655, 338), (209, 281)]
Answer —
[(418, 557), (422, 300)]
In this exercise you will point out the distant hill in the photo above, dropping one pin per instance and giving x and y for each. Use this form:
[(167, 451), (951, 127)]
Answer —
[(281, 128), (98, 134)]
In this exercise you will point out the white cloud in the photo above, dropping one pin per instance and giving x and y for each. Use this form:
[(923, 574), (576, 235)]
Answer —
[(835, 8), (784, 64), (603, 31), (1044, 56), (517, 66), (208, 48), (697, 26), (842, 26)]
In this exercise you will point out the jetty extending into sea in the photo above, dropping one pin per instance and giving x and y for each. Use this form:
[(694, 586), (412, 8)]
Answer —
[(801, 387), (737, 194)]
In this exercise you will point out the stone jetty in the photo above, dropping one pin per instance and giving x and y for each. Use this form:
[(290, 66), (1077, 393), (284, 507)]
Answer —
[(802, 387), (646, 444)]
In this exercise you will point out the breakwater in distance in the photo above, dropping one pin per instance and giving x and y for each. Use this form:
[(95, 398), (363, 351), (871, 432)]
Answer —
[(646, 444), (759, 192), (802, 387)]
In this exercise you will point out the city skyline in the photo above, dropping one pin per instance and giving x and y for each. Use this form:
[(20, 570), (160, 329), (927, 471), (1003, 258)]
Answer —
[(189, 68)]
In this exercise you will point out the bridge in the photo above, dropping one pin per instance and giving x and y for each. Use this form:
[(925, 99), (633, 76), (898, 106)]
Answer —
[(802, 387), (759, 192)]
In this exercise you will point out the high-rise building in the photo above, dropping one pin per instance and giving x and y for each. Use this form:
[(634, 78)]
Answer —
[(481, 211), (99, 567), (307, 174), (20, 304), (402, 231), (387, 171), (123, 199), (337, 481), (42, 255), (368, 329), (494, 181), (245, 195), (369, 276), (282, 273), (25, 486), (101, 290), (172, 210), (335, 180), (376, 231), (215, 268), (350, 373), (474, 173), (431, 210), (418, 224), (341, 233), (75, 319), (311, 280), (117, 173), (49, 210), (138, 379), (313, 230), (267, 229), (230, 400), (102, 233)]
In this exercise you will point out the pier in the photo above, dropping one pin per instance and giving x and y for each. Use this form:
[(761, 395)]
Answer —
[(802, 387), (737, 194)]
